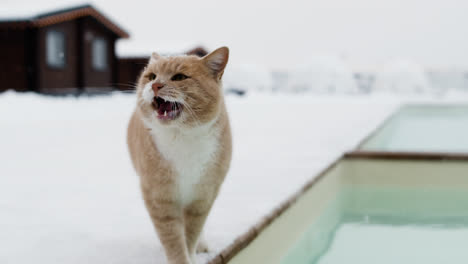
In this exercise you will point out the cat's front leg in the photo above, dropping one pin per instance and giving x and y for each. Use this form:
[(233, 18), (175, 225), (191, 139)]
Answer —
[(195, 216), (168, 220)]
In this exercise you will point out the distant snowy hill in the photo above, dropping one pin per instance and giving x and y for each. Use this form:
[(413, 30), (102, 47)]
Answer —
[(323, 74), (248, 77), (402, 76), (332, 75)]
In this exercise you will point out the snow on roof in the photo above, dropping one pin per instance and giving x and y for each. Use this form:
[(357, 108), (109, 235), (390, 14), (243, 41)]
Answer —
[(19, 10), (23, 18)]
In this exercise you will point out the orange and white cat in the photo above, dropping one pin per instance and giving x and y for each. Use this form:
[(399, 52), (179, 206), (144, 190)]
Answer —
[(180, 145)]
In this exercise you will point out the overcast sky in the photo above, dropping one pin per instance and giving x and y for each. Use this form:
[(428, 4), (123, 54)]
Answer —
[(285, 34)]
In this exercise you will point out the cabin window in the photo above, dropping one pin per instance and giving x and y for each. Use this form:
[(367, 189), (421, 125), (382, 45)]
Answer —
[(55, 45), (99, 54)]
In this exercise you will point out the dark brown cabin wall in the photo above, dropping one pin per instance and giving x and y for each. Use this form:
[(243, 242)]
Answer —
[(12, 60), (53, 80), (95, 80), (114, 63), (129, 69), (31, 58)]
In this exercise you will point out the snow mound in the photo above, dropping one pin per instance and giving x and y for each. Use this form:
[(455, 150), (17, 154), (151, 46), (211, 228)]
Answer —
[(248, 76), (324, 74), (402, 76)]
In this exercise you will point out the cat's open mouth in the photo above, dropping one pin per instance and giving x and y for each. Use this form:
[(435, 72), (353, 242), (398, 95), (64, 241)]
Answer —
[(167, 110)]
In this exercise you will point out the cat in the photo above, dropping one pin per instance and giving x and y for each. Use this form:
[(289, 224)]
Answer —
[(179, 140)]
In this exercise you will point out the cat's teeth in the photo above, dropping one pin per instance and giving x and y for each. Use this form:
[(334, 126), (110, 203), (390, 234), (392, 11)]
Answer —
[(165, 113)]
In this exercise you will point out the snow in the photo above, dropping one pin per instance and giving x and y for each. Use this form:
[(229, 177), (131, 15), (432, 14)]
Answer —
[(18, 9), (248, 76), (323, 74), (329, 74), (68, 192), (402, 76)]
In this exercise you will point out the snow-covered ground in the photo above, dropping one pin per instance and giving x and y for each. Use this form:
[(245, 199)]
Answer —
[(68, 193)]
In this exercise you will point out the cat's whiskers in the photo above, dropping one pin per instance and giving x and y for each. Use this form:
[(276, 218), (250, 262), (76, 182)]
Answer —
[(129, 85), (190, 111)]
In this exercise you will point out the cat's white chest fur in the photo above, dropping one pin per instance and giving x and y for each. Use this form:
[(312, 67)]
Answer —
[(190, 153)]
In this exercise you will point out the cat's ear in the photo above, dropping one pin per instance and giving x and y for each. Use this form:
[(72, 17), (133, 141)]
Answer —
[(154, 57), (216, 61)]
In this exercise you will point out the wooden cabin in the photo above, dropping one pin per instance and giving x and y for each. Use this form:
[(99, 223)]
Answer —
[(62, 52)]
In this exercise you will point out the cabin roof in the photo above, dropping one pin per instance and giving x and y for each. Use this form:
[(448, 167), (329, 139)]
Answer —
[(63, 15)]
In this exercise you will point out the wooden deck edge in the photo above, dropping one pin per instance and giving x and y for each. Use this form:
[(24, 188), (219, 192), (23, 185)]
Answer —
[(429, 156)]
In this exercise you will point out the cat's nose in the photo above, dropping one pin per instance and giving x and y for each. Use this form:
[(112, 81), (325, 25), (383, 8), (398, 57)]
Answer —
[(156, 86)]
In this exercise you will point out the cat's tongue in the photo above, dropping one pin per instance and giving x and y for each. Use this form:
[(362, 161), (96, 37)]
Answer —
[(166, 106), (168, 110)]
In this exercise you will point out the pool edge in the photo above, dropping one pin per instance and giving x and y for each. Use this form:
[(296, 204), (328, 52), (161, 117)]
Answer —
[(245, 239), (387, 155)]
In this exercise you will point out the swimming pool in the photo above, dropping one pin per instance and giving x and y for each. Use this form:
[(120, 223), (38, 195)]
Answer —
[(360, 211), (400, 197), (423, 128)]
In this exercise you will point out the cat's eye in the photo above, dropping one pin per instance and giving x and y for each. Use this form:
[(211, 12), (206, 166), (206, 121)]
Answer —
[(179, 77), (151, 76)]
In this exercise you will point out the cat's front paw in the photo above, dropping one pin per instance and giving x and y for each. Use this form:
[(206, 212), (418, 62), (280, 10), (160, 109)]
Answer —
[(202, 247)]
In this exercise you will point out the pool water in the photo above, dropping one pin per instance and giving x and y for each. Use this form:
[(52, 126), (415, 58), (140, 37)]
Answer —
[(374, 243), (425, 128), (376, 225)]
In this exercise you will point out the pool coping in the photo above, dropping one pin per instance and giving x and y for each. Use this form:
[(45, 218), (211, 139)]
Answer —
[(246, 238)]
